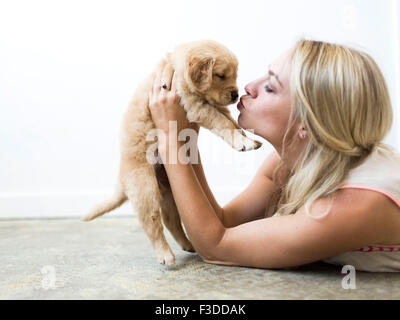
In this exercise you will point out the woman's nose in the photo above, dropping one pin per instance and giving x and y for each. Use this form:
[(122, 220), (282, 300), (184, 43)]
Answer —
[(246, 88), (251, 89)]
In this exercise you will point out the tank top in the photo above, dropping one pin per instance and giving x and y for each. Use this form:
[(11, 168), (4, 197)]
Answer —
[(379, 172)]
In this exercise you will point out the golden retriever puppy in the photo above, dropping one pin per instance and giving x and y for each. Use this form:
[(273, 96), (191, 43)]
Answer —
[(206, 74)]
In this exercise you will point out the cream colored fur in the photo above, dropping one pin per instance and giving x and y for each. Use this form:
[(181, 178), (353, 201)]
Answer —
[(205, 94)]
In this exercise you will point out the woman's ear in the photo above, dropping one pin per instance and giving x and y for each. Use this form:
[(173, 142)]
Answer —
[(302, 133), (200, 72)]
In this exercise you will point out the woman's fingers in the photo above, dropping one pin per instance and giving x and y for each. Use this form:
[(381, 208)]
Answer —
[(166, 77), (157, 79), (173, 84), (157, 83)]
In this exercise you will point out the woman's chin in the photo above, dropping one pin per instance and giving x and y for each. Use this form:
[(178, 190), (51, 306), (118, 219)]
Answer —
[(245, 126), (241, 122)]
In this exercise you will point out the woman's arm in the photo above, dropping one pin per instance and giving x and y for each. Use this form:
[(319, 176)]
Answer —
[(205, 229), (200, 219), (354, 221), (201, 177), (251, 203)]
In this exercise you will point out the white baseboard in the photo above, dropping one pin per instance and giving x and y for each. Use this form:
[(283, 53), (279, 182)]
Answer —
[(55, 204), (74, 204)]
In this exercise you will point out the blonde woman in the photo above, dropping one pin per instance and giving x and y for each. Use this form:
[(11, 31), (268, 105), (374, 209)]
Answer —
[(331, 189)]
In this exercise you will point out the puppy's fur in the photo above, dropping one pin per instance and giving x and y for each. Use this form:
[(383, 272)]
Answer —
[(206, 74)]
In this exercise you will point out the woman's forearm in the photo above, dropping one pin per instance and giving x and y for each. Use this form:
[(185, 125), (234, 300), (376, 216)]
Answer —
[(201, 177), (200, 219)]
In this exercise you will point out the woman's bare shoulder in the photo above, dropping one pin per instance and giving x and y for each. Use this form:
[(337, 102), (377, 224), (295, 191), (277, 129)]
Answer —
[(350, 200), (375, 207), (365, 210)]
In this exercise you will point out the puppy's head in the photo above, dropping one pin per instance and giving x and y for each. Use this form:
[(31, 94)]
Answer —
[(210, 71)]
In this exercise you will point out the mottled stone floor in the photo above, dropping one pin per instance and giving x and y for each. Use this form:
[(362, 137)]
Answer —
[(111, 258)]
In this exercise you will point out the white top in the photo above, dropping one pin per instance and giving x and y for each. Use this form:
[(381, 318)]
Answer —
[(379, 172)]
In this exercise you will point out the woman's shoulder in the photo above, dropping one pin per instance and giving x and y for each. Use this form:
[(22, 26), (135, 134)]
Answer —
[(345, 202), (370, 207), (364, 200), (379, 175)]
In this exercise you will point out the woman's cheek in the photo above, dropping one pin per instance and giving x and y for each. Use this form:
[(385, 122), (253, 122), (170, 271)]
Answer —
[(261, 112), (254, 118)]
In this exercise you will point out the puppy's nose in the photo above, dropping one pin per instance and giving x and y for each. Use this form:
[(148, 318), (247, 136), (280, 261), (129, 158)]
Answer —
[(234, 95)]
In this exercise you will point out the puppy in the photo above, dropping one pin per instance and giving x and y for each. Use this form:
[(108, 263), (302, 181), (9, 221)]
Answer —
[(206, 74)]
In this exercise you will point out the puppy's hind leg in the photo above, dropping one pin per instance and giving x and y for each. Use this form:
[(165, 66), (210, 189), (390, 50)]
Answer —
[(172, 220), (143, 192)]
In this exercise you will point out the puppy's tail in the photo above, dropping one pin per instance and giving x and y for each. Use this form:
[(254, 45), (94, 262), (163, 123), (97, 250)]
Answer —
[(117, 200)]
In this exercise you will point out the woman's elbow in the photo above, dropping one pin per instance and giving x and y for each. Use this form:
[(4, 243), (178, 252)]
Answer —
[(220, 262), (208, 256), (215, 256)]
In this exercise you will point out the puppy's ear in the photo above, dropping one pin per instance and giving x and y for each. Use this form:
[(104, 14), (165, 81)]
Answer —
[(200, 72)]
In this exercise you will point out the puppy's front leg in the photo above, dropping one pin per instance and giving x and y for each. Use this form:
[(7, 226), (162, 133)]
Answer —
[(218, 123), (227, 114)]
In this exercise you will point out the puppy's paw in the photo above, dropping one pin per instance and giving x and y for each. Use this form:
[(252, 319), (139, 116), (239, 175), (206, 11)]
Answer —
[(258, 144), (246, 144), (166, 258)]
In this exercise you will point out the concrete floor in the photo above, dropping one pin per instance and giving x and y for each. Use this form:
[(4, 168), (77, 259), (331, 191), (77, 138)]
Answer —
[(111, 258)]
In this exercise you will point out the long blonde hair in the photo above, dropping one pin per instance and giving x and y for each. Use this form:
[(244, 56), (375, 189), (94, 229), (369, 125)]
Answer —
[(340, 97)]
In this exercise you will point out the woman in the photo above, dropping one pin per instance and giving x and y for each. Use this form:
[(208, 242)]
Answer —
[(325, 109)]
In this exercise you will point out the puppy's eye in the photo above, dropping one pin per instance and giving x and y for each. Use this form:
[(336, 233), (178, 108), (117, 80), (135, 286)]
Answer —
[(221, 76)]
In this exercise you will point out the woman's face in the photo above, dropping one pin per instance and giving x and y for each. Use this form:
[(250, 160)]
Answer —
[(266, 106)]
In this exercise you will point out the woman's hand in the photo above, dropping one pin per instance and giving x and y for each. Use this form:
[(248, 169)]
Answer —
[(165, 107)]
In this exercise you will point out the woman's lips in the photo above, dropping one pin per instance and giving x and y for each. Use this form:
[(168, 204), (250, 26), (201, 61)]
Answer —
[(240, 105)]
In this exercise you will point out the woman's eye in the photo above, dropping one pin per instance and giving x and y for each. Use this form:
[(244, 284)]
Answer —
[(221, 76), (268, 89)]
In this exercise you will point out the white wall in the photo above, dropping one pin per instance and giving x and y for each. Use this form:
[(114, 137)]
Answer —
[(68, 70)]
